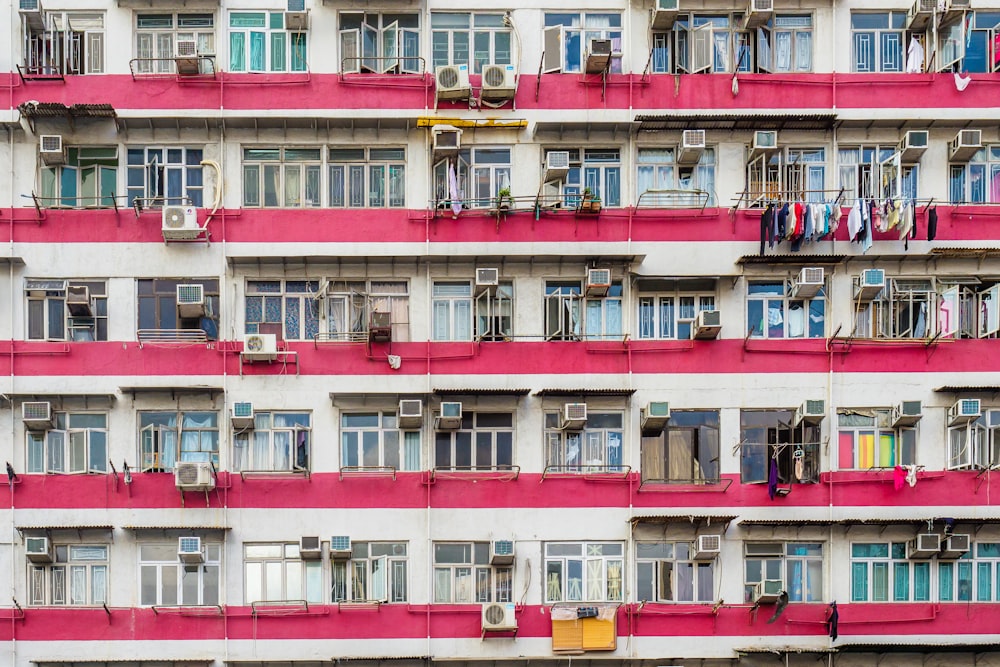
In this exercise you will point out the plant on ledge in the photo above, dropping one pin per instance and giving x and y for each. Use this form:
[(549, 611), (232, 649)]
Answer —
[(590, 203)]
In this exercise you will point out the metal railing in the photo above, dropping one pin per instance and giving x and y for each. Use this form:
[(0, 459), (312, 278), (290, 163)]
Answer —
[(397, 65), (677, 199), (172, 336), (159, 67)]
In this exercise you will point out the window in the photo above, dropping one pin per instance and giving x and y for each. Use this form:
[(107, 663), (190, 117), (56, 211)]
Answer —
[(969, 578), (495, 312), (275, 573), (87, 180), (975, 445), (484, 442), (665, 572), (159, 316), (686, 451), (158, 176), (78, 443), (797, 174), (380, 43), (163, 580), (968, 307), (452, 306), (282, 177), (473, 39), (668, 308), (169, 437), (785, 44), (903, 309), (601, 317), (373, 439), (584, 571), (49, 317), (350, 304), (977, 182), (594, 169), (79, 576), (376, 571), (982, 51), (597, 447), (868, 440), (463, 574), (567, 39), (797, 565), (68, 43), (878, 41), (770, 438), (279, 442), (685, 185), (880, 572), (156, 36), (480, 174), (772, 311), (258, 42), (288, 307), (874, 172), (372, 177)]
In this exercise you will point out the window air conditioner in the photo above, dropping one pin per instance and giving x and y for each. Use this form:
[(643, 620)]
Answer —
[(920, 14), (260, 347), (411, 413), (340, 547), (574, 417), (241, 416), (692, 146), (36, 415), (452, 82), (757, 14), (953, 5), (186, 57), (180, 223), (664, 14), (765, 142), (446, 139), (912, 146), (297, 21), (924, 545), (869, 284), (707, 324), (50, 147), (310, 548), (29, 7), (707, 547), (38, 549), (811, 412), (598, 58), (78, 301), (487, 277), (767, 591), (194, 476), (499, 83), (380, 327), (556, 165), (964, 411), (502, 552), (598, 282), (189, 550), (907, 413), (966, 144), (499, 616), (654, 417), (191, 300), (185, 48), (956, 546), (450, 418), (809, 282)]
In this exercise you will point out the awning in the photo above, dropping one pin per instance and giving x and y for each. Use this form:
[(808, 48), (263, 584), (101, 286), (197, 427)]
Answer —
[(569, 393), (737, 121), (974, 253), (968, 389), (132, 662), (805, 260), (37, 528), (778, 650), (59, 398), (787, 522), (173, 390), (32, 111), (144, 527), (698, 520), (483, 391), (961, 645)]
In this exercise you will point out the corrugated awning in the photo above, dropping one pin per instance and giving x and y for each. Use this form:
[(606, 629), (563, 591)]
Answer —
[(966, 252), (562, 393), (174, 527), (137, 662), (786, 649), (60, 110), (77, 526), (692, 519), (791, 259), (57, 396), (737, 121), (441, 391), (173, 390), (787, 522), (961, 645), (968, 389)]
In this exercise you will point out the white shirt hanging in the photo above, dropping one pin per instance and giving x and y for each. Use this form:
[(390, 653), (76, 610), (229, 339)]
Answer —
[(915, 57)]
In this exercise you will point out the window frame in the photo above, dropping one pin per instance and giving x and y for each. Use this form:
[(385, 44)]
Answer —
[(574, 39), (90, 168), (160, 566), (153, 450), (559, 443), (357, 177), (759, 325), (599, 169), (975, 445), (481, 171), (558, 583), (151, 58), (902, 450), (358, 573), (477, 439), (486, 582), (665, 173), (356, 307), (776, 425), (42, 446), (294, 55), (774, 558), (147, 179), (657, 451), (298, 301), (53, 295), (872, 581), (299, 454), (278, 163), (42, 580), (156, 303), (664, 573), (895, 25), (390, 47), (680, 301), (981, 168), (408, 441), (445, 41), (256, 557)]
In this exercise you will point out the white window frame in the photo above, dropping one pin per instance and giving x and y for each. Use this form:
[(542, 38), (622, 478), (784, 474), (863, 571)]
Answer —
[(596, 169), (297, 298), (166, 568), (470, 437), (367, 177), (376, 571), (670, 314), (386, 48), (244, 444), (352, 302), (759, 325), (658, 571), (976, 444), (72, 43), (878, 426), (776, 561), (52, 295), (480, 172), (72, 580), (972, 569), (878, 34), (872, 171), (602, 575), (684, 183), (95, 167), (494, 312), (279, 164), (798, 30), (886, 316), (582, 28), (447, 46), (973, 180), (155, 42), (355, 438), (153, 437), (767, 435), (275, 572), (452, 310), (152, 175), (588, 450), (469, 578), (885, 568), (271, 63), (69, 450)]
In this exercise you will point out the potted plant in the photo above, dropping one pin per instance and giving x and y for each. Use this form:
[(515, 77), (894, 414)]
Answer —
[(590, 203), (504, 200)]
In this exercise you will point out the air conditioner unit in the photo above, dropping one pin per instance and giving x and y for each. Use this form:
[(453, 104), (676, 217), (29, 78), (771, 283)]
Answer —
[(340, 547), (957, 5), (310, 548), (297, 21), (767, 591), (574, 417), (78, 301), (956, 546), (186, 57), (452, 82), (38, 549), (707, 324), (765, 142), (487, 277), (51, 149), (920, 14), (36, 415), (411, 413), (758, 13), (809, 282), (654, 417), (189, 550), (664, 14), (241, 416), (185, 48), (598, 282), (447, 141), (380, 326), (912, 146), (502, 552), (180, 222), (194, 476), (924, 545), (707, 547), (966, 144), (499, 616), (869, 284), (450, 418), (260, 347), (907, 413), (692, 147), (964, 411), (191, 300), (811, 412), (499, 83), (598, 57), (29, 6), (556, 166)]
